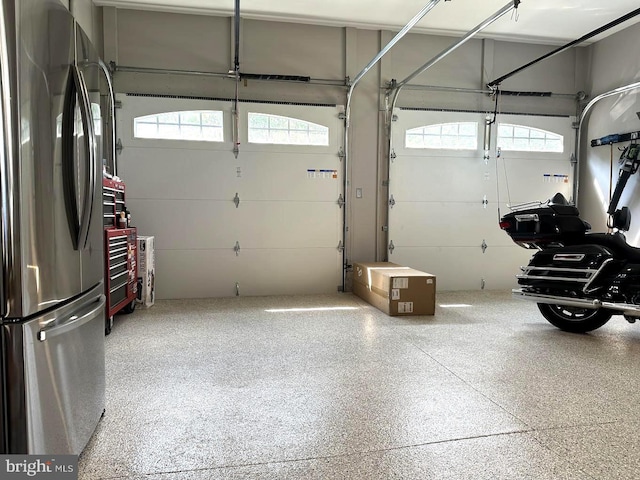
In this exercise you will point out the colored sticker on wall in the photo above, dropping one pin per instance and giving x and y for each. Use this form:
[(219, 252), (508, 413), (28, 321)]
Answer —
[(321, 173), (555, 178)]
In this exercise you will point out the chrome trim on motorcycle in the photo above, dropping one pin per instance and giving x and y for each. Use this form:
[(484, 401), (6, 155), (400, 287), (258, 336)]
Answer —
[(593, 304), (555, 300), (527, 205), (528, 217), (555, 279), (588, 274), (586, 289), (568, 257)]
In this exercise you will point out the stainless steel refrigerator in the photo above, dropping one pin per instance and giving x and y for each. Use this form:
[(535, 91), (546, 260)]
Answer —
[(52, 303)]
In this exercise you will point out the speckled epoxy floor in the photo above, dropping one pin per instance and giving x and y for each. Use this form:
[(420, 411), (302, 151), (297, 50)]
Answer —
[(260, 388)]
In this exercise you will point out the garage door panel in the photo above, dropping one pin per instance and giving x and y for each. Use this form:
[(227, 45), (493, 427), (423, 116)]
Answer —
[(522, 179), (214, 273), (290, 271), (287, 225), (289, 177), (255, 224), (455, 268), (434, 223), (175, 174), (186, 224), (201, 174), (440, 178), (194, 273)]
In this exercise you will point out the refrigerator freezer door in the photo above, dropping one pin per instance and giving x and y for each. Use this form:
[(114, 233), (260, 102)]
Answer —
[(55, 366)]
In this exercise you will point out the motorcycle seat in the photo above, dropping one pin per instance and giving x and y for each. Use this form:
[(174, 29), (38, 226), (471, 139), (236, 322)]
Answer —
[(561, 206), (616, 243)]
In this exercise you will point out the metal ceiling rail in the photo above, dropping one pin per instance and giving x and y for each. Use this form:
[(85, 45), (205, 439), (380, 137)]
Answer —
[(583, 116), (229, 76), (167, 71), (477, 91), (472, 33), (426, 9), (584, 38)]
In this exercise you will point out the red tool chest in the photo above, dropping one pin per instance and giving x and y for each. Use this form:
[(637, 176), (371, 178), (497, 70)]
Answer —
[(120, 245)]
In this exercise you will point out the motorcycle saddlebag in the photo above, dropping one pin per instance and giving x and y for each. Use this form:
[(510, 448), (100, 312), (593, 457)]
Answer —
[(566, 268)]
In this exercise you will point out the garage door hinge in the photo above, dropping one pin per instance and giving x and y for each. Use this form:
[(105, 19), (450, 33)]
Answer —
[(483, 246), (341, 154), (485, 202), (119, 146), (341, 201), (573, 160), (117, 104), (392, 201), (391, 247), (394, 118), (385, 183), (340, 246), (237, 248), (385, 228), (392, 155), (342, 116), (236, 200)]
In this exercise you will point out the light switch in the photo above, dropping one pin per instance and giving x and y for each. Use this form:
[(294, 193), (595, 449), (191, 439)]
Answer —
[(358, 192)]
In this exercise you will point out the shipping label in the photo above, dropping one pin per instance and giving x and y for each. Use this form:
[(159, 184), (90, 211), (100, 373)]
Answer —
[(405, 307), (401, 282)]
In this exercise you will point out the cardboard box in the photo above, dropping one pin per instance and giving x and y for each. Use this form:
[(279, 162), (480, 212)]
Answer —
[(146, 271), (394, 289)]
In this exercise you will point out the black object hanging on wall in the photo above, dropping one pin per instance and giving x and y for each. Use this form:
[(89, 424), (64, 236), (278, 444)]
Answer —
[(615, 138)]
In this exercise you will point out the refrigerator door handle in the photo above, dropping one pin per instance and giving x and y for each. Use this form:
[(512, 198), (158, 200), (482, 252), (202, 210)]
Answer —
[(74, 321), (72, 97), (90, 149)]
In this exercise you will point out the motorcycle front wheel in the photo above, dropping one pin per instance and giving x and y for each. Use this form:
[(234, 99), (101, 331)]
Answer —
[(574, 319)]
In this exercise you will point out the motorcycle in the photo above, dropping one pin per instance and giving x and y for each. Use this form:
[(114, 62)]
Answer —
[(578, 279)]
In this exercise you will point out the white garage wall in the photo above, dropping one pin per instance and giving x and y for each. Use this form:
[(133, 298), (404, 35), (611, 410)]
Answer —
[(178, 41), (611, 66)]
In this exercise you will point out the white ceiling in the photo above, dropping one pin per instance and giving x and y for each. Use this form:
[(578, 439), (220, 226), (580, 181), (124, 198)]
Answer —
[(545, 21)]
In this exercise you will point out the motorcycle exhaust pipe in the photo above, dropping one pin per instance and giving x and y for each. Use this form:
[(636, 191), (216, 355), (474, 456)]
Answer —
[(594, 304)]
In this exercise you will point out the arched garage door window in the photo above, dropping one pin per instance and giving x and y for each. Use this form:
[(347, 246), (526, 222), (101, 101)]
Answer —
[(276, 129), (196, 125), (448, 136), (519, 138)]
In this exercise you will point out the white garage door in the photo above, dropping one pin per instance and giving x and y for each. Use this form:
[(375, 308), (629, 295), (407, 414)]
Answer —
[(266, 223), (444, 198)]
